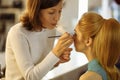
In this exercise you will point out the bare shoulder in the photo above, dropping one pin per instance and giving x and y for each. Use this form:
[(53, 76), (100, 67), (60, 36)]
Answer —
[(90, 75)]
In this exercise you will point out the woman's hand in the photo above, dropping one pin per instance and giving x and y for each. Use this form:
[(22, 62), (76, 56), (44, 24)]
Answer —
[(65, 57), (63, 43)]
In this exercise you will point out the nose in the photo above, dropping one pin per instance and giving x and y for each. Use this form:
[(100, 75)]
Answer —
[(74, 36), (57, 16), (72, 33)]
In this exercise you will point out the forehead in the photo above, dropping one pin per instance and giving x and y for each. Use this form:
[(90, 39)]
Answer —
[(57, 7)]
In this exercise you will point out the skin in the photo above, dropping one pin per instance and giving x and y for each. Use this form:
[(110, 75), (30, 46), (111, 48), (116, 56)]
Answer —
[(49, 18), (89, 75), (84, 45), (78, 40), (62, 49)]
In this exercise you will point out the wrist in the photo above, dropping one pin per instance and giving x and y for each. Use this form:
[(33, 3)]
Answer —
[(56, 53)]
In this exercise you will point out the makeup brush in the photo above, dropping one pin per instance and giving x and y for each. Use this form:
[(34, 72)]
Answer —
[(61, 30)]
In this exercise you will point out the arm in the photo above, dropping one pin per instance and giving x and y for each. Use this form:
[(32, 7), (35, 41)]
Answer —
[(65, 57), (62, 49), (28, 69)]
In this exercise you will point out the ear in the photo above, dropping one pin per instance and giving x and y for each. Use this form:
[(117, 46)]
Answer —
[(88, 41)]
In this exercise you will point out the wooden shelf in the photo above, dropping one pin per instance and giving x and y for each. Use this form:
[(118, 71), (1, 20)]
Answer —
[(15, 11)]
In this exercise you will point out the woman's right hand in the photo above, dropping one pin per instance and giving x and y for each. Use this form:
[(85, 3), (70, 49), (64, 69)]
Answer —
[(65, 57), (63, 43)]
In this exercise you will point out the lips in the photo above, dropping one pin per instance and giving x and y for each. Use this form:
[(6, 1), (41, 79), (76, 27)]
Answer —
[(54, 24)]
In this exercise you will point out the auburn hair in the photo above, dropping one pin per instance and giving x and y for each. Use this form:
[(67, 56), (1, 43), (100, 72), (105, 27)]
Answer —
[(30, 17)]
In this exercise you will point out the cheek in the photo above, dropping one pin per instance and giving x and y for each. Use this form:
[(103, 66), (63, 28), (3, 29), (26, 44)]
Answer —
[(44, 18), (45, 22), (79, 45)]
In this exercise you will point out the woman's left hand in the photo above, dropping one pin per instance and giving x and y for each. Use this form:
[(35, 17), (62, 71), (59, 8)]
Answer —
[(65, 57)]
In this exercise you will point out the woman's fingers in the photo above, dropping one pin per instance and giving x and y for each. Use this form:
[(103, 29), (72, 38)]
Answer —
[(63, 43), (66, 55), (65, 36)]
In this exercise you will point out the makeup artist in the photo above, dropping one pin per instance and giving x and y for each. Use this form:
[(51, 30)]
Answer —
[(30, 54)]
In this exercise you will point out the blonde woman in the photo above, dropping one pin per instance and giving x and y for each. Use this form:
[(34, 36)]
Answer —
[(99, 40)]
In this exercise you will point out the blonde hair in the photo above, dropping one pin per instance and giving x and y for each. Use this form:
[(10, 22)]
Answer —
[(106, 40)]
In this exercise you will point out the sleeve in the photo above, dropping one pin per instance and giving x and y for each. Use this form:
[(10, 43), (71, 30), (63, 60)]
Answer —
[(29, 70)]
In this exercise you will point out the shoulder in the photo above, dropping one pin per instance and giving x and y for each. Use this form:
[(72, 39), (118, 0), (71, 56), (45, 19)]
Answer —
[(90, 75), (17, 29)]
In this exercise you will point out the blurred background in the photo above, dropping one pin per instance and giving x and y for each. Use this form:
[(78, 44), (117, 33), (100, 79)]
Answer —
[(10, 11)]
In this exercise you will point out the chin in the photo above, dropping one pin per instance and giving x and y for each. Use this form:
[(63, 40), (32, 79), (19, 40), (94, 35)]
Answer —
[(75, 47), (51, 28), (77, 50)]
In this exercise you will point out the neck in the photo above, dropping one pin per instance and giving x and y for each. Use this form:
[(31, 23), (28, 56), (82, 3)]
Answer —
[(88, 54)]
